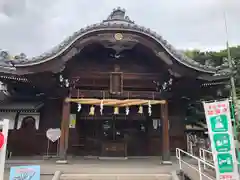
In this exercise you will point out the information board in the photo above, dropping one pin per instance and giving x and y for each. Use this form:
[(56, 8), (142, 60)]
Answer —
[(222, 143), (25, 172)]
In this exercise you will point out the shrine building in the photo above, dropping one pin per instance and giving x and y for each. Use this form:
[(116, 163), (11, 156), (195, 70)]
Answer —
[(115, 89)]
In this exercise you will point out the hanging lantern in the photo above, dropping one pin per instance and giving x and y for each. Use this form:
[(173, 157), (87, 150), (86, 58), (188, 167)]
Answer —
[(149, 108), (116, 110), (127, 110), (101, 107), (92, 111), (79, 107), (140, 110)]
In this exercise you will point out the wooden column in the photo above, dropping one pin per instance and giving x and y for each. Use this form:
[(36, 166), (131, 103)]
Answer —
[(165, 134), (64, 130)]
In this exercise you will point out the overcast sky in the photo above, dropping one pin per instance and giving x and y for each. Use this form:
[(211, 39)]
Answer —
[(35, 26)]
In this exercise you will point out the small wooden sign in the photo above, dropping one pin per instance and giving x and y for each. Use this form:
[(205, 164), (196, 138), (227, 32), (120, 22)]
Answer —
[(53, 134)]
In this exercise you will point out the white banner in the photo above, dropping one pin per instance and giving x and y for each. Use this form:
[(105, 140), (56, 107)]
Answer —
[(222, 143)]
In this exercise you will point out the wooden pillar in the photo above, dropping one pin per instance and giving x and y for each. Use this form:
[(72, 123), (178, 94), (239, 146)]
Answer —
[(165, 134), (64, 130)]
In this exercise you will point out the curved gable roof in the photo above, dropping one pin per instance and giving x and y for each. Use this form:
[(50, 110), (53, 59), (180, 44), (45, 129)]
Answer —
[(117, 20)]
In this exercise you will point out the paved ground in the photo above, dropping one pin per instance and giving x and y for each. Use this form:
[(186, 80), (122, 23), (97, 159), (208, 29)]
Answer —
[(150, 165), (118, 177)]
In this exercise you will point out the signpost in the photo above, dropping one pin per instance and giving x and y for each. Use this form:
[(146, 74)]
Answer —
[(25, 172), (53, 135), (4, 136), (222, 143)]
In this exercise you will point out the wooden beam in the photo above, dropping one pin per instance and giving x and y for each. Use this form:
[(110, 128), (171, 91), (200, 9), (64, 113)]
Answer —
[(76, 93), (106, 75), (127, 84), (64, 130)]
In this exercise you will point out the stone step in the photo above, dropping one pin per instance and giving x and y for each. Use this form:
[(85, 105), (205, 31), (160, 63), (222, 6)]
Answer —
[(116, 177)]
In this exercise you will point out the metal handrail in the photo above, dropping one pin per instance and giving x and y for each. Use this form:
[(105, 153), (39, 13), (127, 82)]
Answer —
[(200, 162), (203, 155)]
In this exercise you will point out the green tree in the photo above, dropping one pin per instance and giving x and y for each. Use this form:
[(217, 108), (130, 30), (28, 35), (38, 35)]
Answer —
[(214, 58)]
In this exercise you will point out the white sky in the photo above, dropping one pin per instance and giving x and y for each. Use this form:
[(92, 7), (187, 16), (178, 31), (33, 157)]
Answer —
[(35, 26)]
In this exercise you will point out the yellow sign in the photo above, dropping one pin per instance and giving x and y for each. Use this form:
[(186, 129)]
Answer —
[(140, 110), (116, 110), (72, 122), (92, 111)]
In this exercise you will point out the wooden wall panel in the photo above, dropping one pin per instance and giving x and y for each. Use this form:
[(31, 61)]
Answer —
[(27, 142)]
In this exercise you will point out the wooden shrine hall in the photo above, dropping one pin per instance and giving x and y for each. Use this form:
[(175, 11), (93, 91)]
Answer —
[(114, 89)]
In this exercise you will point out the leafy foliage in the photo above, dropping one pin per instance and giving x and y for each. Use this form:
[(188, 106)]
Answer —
[(213, 58), (217, 58)]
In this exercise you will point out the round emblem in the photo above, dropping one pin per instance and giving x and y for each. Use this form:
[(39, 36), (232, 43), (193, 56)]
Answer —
[(118, 36)]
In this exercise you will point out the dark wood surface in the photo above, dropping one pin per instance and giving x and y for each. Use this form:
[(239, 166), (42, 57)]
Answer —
[(114, 148)]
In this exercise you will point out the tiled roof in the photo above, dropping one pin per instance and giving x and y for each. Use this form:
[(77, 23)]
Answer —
[(20, 106), (117, 20)]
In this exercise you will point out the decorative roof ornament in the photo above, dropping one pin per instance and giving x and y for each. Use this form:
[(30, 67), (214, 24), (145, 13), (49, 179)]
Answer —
[(6, 56), (118, 14), (20, 57)]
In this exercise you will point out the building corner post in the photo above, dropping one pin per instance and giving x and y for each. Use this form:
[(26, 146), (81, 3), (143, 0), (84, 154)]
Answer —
[(64, 132), (165, 135)]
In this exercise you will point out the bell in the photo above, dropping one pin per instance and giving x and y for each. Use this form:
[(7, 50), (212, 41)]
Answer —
[(92, 110), (127, 110), (116, 110), (140, 110)]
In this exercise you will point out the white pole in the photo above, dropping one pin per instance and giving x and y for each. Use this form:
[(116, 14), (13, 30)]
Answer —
[(204, 159), (191, 148), (199, 170), (180, 160), (5, 127)]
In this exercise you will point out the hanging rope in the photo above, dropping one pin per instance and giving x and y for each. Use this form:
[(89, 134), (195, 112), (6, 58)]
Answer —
[(115, 102)]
